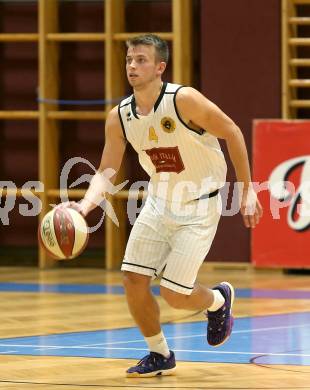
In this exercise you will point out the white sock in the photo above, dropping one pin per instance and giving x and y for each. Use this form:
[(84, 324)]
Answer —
[(158, 344), (217, 302)]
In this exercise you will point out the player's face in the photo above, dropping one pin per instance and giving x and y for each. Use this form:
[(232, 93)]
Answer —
[(142, 67)]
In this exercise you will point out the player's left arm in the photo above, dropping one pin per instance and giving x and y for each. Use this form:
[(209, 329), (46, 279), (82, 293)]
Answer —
[(196, 108)]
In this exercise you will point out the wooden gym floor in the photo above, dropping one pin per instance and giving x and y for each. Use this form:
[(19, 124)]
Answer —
[(70, 329)]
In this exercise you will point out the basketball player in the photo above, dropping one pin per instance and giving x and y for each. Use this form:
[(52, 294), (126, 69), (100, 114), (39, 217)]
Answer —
[(174, 130)]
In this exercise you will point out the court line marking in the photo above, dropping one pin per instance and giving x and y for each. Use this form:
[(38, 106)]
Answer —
[(202, 335), (188, 350), (220, 352), (99, 346), (6, 352), (145, 386)]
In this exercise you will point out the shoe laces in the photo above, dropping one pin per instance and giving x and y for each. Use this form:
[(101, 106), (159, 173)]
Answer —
[(150, 360)]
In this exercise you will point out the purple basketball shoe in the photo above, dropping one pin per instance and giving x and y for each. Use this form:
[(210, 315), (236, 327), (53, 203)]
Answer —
[(220, 322), (153, 364)]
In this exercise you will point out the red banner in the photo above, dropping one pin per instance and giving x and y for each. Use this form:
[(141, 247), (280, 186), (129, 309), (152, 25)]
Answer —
[(281, 165)]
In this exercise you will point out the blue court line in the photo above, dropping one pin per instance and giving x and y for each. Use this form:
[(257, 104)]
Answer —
[(119, 290), (276, 339), (62, 288), (271, 293)]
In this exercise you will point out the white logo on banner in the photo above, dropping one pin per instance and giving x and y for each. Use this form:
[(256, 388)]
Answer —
[(300, 199)]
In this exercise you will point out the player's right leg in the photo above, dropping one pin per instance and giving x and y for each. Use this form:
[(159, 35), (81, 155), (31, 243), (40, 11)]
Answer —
[(145, 311), (146, 251), (141, 303)]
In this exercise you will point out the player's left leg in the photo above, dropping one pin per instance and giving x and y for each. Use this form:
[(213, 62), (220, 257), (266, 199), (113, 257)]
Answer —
[(190, 244), (217, 304)]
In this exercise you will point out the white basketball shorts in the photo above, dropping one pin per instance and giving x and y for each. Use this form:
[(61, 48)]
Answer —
[(174, 239)]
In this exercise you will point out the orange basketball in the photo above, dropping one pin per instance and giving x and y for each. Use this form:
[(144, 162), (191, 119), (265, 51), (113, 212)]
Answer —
[(63, 233)]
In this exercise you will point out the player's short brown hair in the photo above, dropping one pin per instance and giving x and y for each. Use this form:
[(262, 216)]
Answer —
[(161, 46)]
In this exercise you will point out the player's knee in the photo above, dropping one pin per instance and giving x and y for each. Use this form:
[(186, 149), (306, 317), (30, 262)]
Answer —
[(174, 299), (135, 282)]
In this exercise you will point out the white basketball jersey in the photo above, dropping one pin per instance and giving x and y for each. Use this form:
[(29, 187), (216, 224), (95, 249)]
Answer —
[(183, 163)]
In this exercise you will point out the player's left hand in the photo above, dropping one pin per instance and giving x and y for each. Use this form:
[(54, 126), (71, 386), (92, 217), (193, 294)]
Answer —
[(251, 209)]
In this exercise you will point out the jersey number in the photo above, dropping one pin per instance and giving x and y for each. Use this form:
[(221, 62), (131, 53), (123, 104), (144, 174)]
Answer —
[(152, 134)]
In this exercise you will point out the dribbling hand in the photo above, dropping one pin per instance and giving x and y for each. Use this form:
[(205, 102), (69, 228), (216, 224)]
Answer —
[(73, 205)]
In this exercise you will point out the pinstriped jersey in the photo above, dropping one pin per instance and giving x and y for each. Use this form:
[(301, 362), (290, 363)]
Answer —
[(183, 163)]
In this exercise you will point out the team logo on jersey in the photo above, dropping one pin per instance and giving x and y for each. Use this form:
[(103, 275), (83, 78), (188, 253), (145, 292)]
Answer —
[(167, 124), (152, 134), (166, 159)]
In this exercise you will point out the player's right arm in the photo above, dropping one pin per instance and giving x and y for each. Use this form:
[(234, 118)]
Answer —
[(112, 155)]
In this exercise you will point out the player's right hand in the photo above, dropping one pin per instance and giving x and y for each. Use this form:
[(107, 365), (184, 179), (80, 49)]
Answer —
[(73, 205)]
